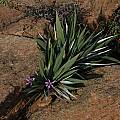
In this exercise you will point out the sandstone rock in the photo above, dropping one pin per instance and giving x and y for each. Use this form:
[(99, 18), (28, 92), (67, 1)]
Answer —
[(37, 3), (8, 16), (18, 59), (23, 4), (96, 7), (28, 27), (92, 8)]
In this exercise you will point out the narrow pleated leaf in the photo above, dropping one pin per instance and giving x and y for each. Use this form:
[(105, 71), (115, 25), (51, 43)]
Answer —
[(72, 81), (58, 60), (66, 90), (66, 67), (59, 30), (81, 39), (111, 59), (88, 57), (105, 41), (41, 65), (62, 94), (70, 87), (42, 44), (33, 91), (72, 26), (69, 73), (89, 50), (50, 62), (95, 64)]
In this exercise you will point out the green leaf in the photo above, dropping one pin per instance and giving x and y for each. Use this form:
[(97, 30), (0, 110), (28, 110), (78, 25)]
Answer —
[(65, 67), (4, 2), (111, 59), (99, 49), (62, 94), (33, 91), (88, 50), (33, 98), (96, 35), (72, 26), (70, 87), (95, 64), (93, 56), (67, 74), (41, 67), (50, 60), (66, 91), (105, 41), (48, 53), (72, 81), (41, 63), (59, 31), (58, 60), (42, 44), (81, 39), (84, 46)]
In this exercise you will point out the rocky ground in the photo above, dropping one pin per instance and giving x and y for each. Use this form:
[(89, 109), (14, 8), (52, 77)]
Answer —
[(98, 100), (17, 61)]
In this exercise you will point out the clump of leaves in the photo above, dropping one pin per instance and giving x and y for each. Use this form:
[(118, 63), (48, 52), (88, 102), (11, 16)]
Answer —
[(66, 51), (3, 2), (111, 26), (49, 12), (114, 23)]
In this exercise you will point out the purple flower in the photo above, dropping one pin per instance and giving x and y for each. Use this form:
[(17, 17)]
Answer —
[(29, 80), (49, 84)]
